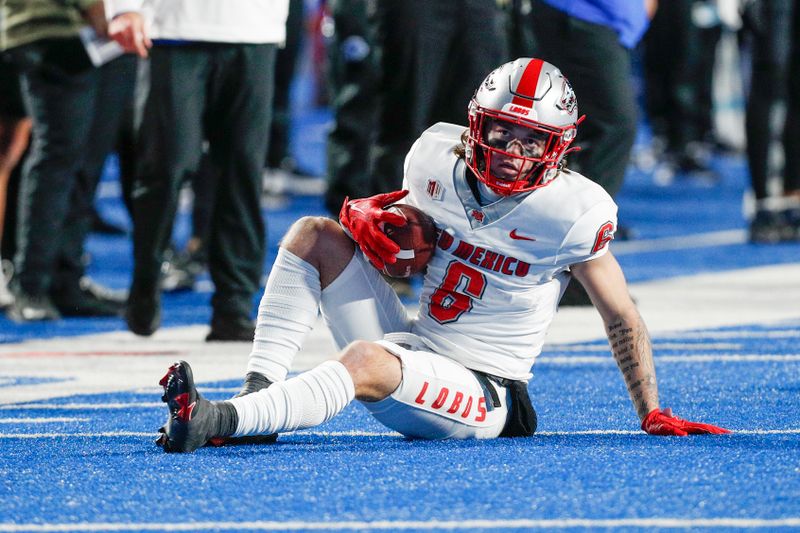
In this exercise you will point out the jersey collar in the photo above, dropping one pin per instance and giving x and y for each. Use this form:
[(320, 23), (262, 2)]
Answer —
[(481, 215)]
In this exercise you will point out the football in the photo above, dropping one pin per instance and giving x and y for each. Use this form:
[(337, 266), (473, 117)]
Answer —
[(417, 241)]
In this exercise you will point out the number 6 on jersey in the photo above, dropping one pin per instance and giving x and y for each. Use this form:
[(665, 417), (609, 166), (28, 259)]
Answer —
[(454, 296)]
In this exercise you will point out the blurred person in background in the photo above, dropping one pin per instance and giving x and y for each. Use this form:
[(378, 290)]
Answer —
[(679, 56), (284, 172), (279, 157), (353, 74), (112, 122), (591, 41), (212, 66), (15, 129), (182, 267), (774, 28), (432, 54), (61, 89)]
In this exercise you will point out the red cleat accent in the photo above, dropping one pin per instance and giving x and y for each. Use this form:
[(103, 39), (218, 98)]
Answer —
[(165, 379), (184, 414)]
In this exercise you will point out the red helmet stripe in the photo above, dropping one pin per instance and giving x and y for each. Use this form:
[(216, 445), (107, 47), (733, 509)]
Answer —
[(527, 84)]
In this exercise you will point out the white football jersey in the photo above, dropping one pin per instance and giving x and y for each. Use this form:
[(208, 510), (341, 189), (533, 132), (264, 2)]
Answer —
[(492, 287)]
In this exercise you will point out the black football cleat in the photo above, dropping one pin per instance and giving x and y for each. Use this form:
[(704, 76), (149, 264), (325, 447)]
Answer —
[(253, 382), (193, 420), (248, 440)]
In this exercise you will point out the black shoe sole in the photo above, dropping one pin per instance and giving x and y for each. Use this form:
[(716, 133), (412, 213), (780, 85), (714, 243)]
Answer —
[(250, 387), (142, 330), (243, 441)]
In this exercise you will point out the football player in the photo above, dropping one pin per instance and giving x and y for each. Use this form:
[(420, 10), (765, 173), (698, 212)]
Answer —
[(514, 226)]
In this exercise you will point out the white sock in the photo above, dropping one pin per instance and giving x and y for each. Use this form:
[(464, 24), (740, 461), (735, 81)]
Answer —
[(301, 402), (287, 312)]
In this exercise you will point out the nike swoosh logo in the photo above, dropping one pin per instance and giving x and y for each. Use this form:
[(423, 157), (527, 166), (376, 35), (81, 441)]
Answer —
[(515, 235)]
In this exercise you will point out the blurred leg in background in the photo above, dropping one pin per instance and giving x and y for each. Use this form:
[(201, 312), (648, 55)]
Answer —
[(182, 267), (773, 28), (278, 155), (59, 86), (433, 55), (353, 73), (15, 129), (229, 105), (597, 61), (72, 292)]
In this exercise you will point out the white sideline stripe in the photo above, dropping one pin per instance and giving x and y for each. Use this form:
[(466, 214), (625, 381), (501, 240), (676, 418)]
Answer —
[(104, 434), (695, 358), (544, 360), (780, 334), (560, 523), (201, 388), (79, 406), (699, 240), (40, 420), (356, 433), (656, 346)]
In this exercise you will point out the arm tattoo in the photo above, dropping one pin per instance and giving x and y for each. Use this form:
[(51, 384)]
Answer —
[(630, 344)]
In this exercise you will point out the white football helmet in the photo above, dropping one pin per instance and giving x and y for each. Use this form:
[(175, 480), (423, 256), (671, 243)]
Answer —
[(526, 92)]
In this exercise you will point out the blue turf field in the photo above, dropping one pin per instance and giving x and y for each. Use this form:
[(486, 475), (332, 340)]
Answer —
[(94, 464), (86, 461)]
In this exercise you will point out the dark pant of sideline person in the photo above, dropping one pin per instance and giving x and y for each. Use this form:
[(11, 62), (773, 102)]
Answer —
[(221, 93), (59, 87), (62, 93), (775, 76), (353, 83), (434, 53), (115, 87), (278, 153), (599, 68)]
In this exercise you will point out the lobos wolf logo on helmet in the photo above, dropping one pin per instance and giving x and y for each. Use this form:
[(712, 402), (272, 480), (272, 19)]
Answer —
[(489, 83), (568, 100)]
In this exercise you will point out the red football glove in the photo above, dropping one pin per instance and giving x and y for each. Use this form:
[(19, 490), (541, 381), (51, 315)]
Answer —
[(662, 422), (364, 219)]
